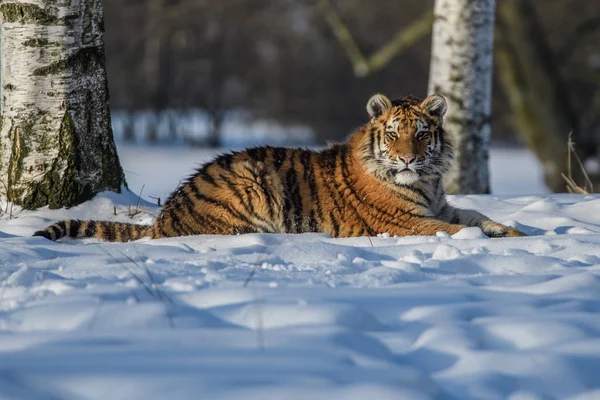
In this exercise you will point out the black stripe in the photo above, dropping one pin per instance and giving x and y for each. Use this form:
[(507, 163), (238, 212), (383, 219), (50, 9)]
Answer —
[(249, 208), (289, 200), (329, 166), (232, 187), (139, 231), (269, 195), (62, 225), (199, 221), (328, 169), (109, 231), (56, 234), (349, 185), (312, 222), (379, 138), (74, 229), (126, 235), (205, 175), (327, 161), (44, 234), (216, 224), (294, 219), (373, 133), (125, 231), (90, 229), (315, 191), (242, 230), (409, 200), (335, 224), (310, 179), (251, 172), (120, 229), (271, 198), (287, 211), (133, 231), (175, 223), (225, 160), (279, 155), (423, 194), (257, 153), (161, 228), (219, 204)]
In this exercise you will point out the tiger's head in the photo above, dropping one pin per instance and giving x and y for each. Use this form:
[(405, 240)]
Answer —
[(404, 142)]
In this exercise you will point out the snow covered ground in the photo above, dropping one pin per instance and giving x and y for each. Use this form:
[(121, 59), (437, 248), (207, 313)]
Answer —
[(306, 316)]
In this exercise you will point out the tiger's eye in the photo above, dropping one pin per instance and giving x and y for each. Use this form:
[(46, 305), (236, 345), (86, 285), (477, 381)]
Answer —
[(392, 135), (422, 135)]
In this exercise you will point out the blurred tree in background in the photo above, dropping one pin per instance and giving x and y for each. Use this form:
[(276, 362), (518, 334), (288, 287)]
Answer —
[(281, 61), (275, 59)]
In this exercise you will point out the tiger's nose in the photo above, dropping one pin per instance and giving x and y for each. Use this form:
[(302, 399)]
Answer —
[(407, 158)]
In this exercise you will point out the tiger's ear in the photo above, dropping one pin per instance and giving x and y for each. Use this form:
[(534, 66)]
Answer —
[(377, 105), (435, 105)]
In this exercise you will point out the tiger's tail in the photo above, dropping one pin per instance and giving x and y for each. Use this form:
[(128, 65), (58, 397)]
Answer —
[(105, 230)]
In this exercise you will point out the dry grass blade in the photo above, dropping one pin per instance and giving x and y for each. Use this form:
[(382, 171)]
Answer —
[(137, 209), (572, 187), (94, 319), (7, 211), (133, 275), (160, 295), (156, 293), (589, 186), (250, 276), (260, 337)]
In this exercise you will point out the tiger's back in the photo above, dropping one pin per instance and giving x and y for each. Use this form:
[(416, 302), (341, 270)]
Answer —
[(268, 189)]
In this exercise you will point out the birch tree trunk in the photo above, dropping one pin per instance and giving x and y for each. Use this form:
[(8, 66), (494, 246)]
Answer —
[(56, 142), (461, 71)]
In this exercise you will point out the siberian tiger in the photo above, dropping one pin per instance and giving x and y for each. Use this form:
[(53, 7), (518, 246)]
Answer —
[(386, 178)]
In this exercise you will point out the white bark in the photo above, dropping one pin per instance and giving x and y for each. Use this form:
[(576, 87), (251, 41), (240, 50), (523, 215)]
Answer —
[(461, 71), (56, 144)]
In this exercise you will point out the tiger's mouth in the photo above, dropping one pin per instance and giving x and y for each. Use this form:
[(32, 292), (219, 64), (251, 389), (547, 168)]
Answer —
[(403, 169), (402, 173)]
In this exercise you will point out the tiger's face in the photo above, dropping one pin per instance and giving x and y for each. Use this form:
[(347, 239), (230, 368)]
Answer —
[(405, 140)]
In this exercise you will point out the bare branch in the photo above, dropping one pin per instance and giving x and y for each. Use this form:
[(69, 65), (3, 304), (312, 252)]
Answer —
[(403, 39), (343, 35), (362, 65)]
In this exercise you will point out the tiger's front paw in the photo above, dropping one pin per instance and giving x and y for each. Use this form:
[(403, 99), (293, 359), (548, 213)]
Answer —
[(496, 230)]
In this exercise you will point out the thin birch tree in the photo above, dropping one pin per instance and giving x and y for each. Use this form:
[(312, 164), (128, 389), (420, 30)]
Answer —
[(461, 71), (56, 142)]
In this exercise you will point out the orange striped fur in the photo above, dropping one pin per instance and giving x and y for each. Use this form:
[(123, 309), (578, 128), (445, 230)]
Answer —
[(386, 178)]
